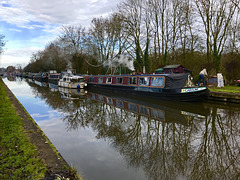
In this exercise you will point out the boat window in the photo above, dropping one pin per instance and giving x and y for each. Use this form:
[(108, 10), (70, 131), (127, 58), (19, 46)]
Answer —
[(109, 80), (119, 103), (132, 80), (109, 101), (100, 98), (80, 80), (100, 80), (144, 81), (53, 76), (158, 81), (144, 110), (91, 79), (132, 107), (74, 80), (64, 79), (119, 80), (158, 114), (92, 96)]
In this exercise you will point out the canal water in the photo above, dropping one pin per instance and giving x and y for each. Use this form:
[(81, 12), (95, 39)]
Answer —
[(118, 137)]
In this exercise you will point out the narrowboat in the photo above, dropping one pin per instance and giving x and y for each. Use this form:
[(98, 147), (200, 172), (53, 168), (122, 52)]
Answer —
[(175, 86), (53, 77), (72, 81), (41, 77)]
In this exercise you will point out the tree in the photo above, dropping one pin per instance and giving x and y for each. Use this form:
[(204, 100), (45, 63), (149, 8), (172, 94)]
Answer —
[(216, 16), (2, 43), (137, 28), (73, 38), (10, 69), (107, 37)]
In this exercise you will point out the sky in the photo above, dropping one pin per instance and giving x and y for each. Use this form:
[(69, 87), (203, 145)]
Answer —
[(29, 25)]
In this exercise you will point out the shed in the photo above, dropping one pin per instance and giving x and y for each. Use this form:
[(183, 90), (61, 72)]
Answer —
[(175, 69)]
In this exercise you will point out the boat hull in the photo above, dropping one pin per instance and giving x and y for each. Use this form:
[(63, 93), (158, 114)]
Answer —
[(158, 93), (53, 81), (71, 85)]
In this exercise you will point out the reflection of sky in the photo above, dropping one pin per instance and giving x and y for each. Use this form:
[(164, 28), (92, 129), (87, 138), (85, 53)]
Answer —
[(93, 158), (36, 107)]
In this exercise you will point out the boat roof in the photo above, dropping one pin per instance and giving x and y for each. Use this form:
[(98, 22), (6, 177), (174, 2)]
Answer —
[(124, 75), (72, 76), (171, 66), (172, 81)]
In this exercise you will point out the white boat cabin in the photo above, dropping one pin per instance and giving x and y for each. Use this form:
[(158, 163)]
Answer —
[(72, 81)]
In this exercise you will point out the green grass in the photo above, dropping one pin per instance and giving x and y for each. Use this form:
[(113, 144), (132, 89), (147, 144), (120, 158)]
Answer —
[(231, 89), (18, 157)]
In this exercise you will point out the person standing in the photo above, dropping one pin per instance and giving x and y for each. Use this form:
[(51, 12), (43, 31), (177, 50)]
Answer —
[(201, 76)]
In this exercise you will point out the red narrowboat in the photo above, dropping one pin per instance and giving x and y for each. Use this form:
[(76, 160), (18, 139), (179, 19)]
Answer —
[(175, 86)]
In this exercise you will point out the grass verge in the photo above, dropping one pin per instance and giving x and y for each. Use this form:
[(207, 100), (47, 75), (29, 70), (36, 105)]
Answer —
[(18, 157), (230, 89)]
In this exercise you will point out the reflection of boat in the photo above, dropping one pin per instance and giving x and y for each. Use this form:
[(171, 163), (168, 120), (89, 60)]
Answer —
[(163, 86), (42, 84), (160, 110), (69, 80), (53, 87), (67, 93)]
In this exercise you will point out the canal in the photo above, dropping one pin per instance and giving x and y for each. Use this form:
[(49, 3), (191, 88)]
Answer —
[(115, 136)]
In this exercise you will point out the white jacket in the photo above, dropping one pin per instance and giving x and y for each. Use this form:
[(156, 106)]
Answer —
[(203, 72)]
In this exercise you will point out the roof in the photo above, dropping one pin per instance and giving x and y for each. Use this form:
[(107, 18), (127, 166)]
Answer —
[(172, 66)]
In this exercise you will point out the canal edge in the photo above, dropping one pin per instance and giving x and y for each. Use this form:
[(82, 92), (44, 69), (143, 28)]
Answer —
[(56, 164), (224, 97)]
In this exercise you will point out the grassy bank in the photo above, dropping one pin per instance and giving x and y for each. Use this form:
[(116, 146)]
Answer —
[(229, 89), (18, 157)]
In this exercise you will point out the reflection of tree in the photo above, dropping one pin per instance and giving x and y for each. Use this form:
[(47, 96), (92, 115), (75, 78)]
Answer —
[(205, 149), (218, 151)]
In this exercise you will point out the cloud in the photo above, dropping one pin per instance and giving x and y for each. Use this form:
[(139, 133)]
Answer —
[(17, 30), (17, 56), (22, 12), (32, 24)]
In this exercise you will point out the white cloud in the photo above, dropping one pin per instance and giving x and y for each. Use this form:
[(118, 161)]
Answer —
[(17, 30), (17, 56), (41, 20), (55, 11)]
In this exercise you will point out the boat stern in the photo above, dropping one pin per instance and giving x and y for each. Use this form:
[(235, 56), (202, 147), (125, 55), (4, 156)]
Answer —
[(196, 93)]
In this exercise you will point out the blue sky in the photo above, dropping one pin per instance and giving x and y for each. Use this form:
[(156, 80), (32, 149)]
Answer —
[(29, 25)]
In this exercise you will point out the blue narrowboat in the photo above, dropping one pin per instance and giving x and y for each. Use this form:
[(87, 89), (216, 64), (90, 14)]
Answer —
[(175, 86)]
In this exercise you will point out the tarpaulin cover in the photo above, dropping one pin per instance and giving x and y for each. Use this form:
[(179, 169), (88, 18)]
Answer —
[(175, 81)]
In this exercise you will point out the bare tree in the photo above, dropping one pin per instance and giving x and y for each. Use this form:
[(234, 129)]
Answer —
[(216, 16), (74, 37), (137, 29), (107, 38)]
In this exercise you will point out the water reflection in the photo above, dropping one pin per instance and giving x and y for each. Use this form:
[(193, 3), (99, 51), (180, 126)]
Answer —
[(164, 139)]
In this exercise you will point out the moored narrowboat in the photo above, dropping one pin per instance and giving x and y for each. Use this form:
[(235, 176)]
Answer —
[(41, 77), (175, 86), (53, 77)]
